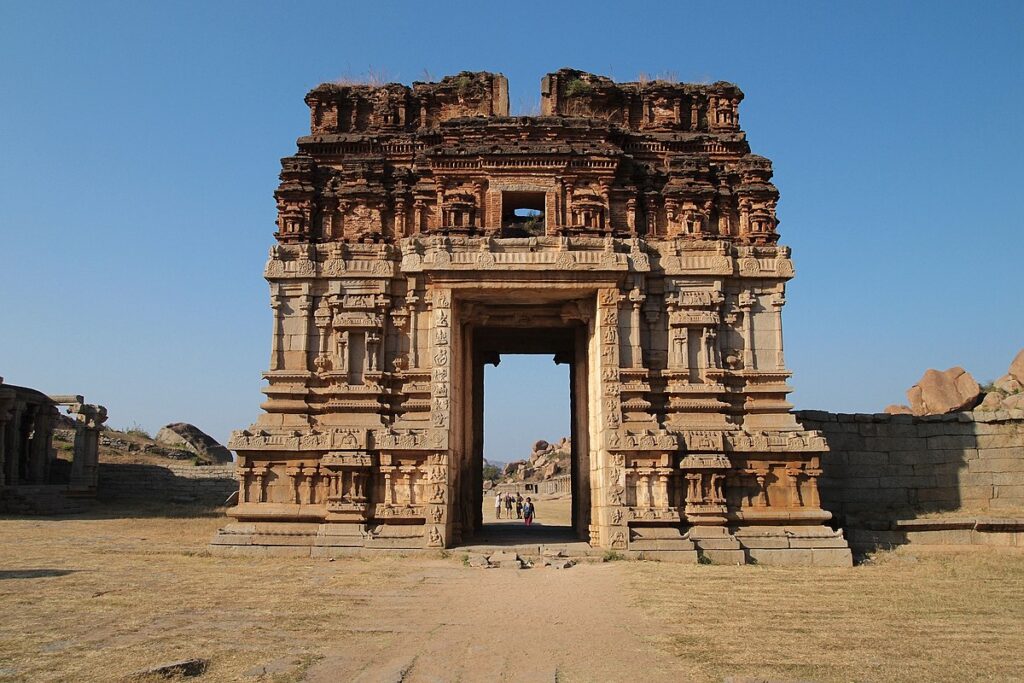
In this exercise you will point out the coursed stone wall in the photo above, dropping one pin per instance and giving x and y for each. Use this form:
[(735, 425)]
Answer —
[(205, 485), (896, 466)]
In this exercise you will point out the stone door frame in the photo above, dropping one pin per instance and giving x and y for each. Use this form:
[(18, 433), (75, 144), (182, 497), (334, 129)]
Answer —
[(520, 312)]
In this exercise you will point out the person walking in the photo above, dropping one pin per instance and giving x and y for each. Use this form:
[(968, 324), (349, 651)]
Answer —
[(528, 512), (497, 504), (508, 505), (519, 506)]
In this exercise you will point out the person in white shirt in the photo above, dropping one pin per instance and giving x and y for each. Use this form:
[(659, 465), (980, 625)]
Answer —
[(497, 504)]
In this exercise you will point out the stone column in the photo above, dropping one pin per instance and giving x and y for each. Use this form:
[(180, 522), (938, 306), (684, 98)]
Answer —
[(42, 442), (761, 476), (793, 484), (812, 499), (400, 217), (276, 303), (481, 204), (89, 421), (305, 309), (778, 301), (322, 319), (746, 304), (413, 303), (6, 412)]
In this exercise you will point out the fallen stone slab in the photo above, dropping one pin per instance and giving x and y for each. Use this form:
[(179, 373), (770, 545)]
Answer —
[(185, 667), (503, 558), (478, 561)]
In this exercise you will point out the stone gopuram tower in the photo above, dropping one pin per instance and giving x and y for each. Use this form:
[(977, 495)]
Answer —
[(628, 231)]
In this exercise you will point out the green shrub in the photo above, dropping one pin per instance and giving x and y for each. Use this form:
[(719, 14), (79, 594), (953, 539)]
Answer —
[(576, 87)]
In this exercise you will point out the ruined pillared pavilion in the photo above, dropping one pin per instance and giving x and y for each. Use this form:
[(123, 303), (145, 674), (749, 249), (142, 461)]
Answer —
[(628, 231)]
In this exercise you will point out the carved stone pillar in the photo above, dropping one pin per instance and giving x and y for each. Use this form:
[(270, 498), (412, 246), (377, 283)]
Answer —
[(400, 217), (651, 214), (276, 303), (746, 304), (413, 303), (322, 319), (296, 474), (812, 499), (419, 211), (244, 475), (778, 301), (305, 311), (311, 477), (761, 477), (793, 486)]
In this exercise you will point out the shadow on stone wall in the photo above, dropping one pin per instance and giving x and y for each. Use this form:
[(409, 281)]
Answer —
[(158, 490), (884, 472)]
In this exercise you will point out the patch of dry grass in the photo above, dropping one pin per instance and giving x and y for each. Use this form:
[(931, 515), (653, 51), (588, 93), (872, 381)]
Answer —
[(937, 617), (97, 599)]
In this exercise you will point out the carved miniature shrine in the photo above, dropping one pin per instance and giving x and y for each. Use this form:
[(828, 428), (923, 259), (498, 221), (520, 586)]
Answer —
[(628, 231)]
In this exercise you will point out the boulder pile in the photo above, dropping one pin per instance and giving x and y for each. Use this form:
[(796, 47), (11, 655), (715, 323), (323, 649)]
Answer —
[(954, 390), (546, 460)]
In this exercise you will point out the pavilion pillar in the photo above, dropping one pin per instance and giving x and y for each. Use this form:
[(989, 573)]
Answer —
[(89, 421)]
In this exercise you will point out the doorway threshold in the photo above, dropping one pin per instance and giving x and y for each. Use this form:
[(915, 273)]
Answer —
[(527, 540)]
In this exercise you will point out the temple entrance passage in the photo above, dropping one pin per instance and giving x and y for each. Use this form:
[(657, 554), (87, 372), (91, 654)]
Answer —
[(528, 407), (527, 447)]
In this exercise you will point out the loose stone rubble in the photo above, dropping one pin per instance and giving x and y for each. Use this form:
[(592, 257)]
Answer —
[(628, 231)]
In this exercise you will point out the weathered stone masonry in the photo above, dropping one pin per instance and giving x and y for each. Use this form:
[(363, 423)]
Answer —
[(883, 471), (403, 263)]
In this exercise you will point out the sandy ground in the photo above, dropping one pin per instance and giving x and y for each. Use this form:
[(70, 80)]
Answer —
[(551, 511), (96, 599)]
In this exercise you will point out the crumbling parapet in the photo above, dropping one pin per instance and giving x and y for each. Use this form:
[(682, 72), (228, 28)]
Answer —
[(642, 105), (353, 108)]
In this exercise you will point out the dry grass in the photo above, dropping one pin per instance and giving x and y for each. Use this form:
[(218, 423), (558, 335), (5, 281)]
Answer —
[(96, 599), (900, 617)]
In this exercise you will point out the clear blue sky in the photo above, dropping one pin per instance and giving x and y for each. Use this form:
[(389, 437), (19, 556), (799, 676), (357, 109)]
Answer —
[(139, 148)]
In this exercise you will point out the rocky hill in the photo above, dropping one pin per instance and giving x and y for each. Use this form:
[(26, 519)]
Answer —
[(176, 443), (546, 460)]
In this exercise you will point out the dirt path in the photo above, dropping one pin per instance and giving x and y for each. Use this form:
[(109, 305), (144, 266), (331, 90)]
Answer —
[(539, 624)]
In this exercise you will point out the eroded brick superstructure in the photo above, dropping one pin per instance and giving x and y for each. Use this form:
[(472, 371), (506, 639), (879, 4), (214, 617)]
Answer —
[(646, 258)]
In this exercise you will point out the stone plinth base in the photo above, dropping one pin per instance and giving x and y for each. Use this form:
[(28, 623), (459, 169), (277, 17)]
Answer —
[(795, 546), (1006, 532), (816, 546), (787, 546)]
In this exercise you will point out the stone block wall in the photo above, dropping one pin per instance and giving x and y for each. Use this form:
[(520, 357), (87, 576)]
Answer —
[(896, 466), (204, 485)]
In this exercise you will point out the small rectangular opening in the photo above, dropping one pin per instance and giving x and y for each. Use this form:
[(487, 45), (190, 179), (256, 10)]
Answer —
[(522, 214)]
